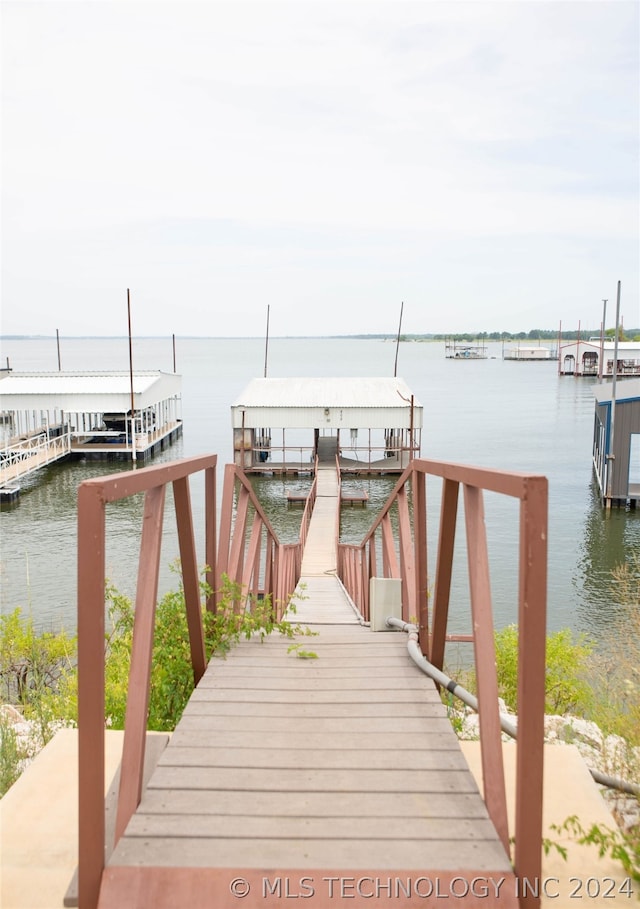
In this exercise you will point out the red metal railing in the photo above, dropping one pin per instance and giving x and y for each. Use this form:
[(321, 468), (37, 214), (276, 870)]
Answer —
[(407, 560), (242, 547), (239, 556)]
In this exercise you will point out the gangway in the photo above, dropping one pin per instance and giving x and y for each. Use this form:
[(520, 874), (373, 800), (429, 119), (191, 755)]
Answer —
[(21, 457), (325, 770)]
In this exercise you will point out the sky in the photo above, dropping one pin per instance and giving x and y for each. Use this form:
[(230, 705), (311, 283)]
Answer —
[(325, 162)]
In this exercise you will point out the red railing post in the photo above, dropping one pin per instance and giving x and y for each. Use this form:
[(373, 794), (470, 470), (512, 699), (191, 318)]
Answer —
[(91, 698), (211, 555), (190, 579), (444, 568), (485, 660), (421, 581), (135, 724), (531, 670)]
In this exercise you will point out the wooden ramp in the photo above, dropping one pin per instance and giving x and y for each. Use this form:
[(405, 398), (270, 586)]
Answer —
[(324, 775)]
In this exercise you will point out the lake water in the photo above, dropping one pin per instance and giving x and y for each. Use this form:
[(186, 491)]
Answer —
[(495, 413)]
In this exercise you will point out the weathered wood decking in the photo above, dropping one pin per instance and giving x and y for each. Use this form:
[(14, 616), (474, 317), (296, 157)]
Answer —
[(326, 778)]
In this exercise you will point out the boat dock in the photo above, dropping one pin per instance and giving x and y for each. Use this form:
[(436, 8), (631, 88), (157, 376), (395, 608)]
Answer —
[(465, 350), (49, 417), (282, 426)]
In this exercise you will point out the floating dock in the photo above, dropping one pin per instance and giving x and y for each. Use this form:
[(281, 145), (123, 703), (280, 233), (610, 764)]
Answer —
[(463, 350), (530, 354)]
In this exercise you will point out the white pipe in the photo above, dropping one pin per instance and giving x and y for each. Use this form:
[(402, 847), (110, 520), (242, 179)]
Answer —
[(506, 724)]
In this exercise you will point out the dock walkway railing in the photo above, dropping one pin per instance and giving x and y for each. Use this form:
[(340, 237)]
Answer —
[(22, 456), (238, 557), (246, 536), (406, 559)]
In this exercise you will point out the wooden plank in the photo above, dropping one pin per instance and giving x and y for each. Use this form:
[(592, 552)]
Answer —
[(330, 781), (388, 715), (292, 738), (277, 828), (313, 804), (257, 756), (392, 725), (310, 680), (282, 669), (202, 888), (299, 696), (189, 852)]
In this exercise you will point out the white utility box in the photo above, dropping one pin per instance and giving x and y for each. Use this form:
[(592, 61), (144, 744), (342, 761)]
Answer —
[(385, 599)]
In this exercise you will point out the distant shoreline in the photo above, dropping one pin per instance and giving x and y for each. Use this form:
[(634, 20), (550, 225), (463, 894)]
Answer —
[(541, 335)]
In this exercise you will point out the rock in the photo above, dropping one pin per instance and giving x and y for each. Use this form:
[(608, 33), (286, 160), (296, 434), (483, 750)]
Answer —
[(10, 714)]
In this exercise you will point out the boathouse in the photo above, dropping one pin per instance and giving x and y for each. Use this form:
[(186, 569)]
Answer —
[(280, 425), (616, 442), (595, 358), (50, 416), (529, 354)]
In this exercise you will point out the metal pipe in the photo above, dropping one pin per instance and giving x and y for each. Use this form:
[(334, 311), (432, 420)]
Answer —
[(507, 726), (395, 367), (133, 413)]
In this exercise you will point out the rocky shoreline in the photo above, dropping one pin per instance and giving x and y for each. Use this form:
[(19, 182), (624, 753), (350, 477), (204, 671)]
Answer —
[(609, 754)]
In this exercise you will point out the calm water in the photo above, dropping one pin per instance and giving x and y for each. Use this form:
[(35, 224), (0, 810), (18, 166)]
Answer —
[(507, 415)]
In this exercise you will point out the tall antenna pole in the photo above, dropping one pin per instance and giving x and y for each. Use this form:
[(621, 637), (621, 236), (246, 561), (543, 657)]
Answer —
[(611, 455), (174, 353), (266, 343), (395, 368), (58, 344), (602, 330), (133, 411)]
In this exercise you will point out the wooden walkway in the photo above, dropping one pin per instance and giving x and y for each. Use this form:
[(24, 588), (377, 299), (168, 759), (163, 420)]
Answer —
[(22, 460), (335, 776)]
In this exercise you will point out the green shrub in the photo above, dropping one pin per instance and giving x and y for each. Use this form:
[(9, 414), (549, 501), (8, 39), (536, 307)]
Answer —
[(171, 673), (12, 755), (38, 670), (567, 688), (30, 661)]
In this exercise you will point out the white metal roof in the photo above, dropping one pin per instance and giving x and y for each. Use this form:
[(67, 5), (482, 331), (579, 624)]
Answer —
[(624, 347), (86, 391), (626, 389), (373, 402)]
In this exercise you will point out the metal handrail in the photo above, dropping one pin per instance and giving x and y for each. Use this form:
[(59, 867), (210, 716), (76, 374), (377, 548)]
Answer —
[(241, 547), (93, 496), (237, 555), (407, 560)]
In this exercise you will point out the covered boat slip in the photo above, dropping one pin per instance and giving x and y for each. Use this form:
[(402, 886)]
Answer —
[(371, 425), (616, 442), (92, 410), (596, 358)]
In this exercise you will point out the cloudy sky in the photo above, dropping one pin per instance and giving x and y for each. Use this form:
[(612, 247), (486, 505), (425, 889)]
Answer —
[(476, 160)]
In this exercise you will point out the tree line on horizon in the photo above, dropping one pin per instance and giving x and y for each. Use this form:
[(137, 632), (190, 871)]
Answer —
[(536, 334)]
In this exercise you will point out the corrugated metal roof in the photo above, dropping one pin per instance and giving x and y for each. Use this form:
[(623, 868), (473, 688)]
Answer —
[(80, 383), (626, 390), (376, 392)]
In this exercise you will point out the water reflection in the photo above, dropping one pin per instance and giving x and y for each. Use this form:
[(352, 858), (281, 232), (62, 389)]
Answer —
[(610, 539), (38, 568)]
